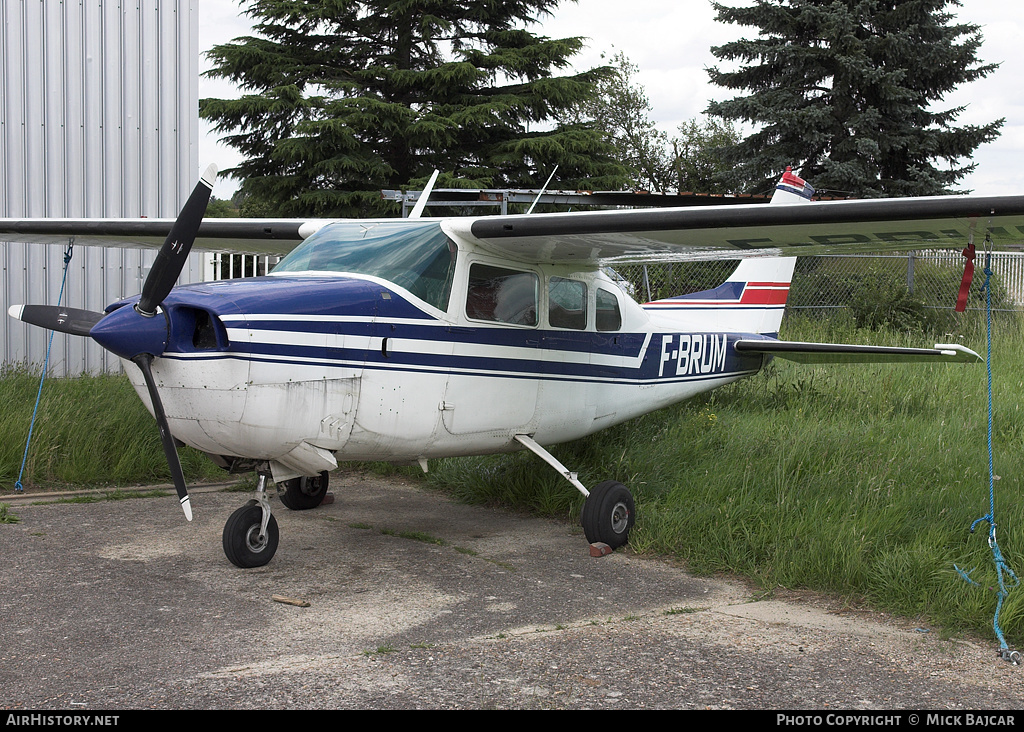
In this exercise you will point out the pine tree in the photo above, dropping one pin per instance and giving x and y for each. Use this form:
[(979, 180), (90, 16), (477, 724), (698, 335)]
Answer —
[(849, 93), (345, 98)]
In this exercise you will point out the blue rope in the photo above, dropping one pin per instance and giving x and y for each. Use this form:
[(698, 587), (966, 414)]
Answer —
[(46, 364), (1003, 570)]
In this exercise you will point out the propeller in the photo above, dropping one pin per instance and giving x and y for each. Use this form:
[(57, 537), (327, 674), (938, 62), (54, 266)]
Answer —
[(133, 332), (62, 320), (145, 361), (177, 245)]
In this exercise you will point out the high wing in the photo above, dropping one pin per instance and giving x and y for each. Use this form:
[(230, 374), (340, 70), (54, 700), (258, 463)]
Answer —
[(248, 236), (751, 229), (700, 232)]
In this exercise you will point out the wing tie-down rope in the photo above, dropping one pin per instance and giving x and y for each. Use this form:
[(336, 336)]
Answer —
[(1007, 579), (965, 283), (68, 253)]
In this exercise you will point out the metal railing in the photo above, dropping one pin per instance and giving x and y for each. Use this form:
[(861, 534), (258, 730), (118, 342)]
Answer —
[(225, 266)]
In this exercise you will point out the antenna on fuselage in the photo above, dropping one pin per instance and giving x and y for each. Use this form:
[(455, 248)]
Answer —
[(546, 184), (417, 210)]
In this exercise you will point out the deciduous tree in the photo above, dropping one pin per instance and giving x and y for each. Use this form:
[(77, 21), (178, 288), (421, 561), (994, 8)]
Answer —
[(691, 159)]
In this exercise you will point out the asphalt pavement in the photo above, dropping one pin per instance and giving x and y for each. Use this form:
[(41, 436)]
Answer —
[(394, 597)]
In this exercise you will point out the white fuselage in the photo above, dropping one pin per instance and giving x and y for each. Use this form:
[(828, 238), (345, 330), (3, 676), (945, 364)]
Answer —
[(316, 367)]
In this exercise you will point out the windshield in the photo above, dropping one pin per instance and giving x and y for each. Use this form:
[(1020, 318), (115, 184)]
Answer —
[(415, 255)]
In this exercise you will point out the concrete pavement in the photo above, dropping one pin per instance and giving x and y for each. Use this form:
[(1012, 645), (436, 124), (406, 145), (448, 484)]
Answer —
[(414, 601)]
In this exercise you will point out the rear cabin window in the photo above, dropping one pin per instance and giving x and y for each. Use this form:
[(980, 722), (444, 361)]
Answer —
[(608, 315), (502, 295), (567, 304)]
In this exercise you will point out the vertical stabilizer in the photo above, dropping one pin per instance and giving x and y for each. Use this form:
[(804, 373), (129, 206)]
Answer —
[(792, 189), (753, 299)]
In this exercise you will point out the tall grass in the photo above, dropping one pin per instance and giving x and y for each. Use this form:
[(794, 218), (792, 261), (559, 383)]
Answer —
[(859, 480), (91, 430)]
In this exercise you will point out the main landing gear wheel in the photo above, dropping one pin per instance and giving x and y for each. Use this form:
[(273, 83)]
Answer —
[(243, 545), (301, 494), (608, 514)]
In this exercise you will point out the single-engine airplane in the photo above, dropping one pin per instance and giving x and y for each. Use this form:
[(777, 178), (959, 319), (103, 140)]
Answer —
[(411, 339)]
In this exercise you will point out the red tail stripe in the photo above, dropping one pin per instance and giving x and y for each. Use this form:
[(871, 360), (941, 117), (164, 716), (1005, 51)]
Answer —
[(764, 297), (754, 293)]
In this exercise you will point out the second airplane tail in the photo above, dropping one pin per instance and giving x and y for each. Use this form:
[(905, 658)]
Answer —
[(753, 299)]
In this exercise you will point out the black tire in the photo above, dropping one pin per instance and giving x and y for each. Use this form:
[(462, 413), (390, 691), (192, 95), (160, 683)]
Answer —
[(302, 494), (608, 514), (241, 537)]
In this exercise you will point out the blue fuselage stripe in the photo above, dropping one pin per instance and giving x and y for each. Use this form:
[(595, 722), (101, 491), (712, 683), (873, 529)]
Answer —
[(359, 324)]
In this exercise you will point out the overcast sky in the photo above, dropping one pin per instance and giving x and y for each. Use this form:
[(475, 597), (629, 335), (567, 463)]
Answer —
[(670, 42)]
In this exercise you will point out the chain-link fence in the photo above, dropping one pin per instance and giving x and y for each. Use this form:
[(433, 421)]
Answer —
[(925, 279), (930, 279)]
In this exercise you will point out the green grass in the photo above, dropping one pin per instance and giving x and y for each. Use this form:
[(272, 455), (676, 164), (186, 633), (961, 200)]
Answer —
[(92, 430), (861, 481), (856, 480)]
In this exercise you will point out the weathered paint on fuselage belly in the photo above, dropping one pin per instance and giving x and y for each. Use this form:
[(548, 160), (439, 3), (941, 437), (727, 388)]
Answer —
[(444, 391), (379, 417), (431, 390), (288, 369)]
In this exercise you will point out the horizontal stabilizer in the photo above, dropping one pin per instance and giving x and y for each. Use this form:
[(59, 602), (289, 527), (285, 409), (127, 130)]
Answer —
[(847, 353)]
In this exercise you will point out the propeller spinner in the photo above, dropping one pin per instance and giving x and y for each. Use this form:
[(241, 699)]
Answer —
[(135, 333)]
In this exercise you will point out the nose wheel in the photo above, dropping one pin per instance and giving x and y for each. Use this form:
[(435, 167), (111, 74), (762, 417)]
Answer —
[(250, 535), (247, 543)]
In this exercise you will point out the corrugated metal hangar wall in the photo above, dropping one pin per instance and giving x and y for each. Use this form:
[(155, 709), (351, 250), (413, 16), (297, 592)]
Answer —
[(98, 117)]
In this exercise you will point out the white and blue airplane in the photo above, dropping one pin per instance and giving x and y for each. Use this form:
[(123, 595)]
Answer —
[(411, 339)]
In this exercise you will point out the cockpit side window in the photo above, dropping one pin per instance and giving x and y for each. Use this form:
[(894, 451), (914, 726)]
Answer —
[(502, 295), (567, 303), (609, 317)]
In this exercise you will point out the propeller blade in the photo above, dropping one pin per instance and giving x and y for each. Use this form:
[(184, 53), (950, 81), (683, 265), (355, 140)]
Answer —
[(144, 361), (174, 252), (51, 317)]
